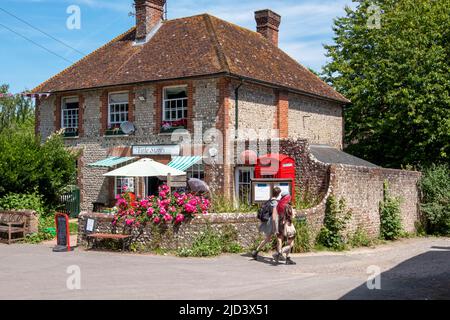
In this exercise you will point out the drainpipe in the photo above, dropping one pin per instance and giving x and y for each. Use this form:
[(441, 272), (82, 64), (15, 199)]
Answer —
[(236, 108)]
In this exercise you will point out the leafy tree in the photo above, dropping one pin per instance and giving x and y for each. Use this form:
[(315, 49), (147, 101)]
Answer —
[(26, 165), (435, 187), (14, 109), (398, 79)]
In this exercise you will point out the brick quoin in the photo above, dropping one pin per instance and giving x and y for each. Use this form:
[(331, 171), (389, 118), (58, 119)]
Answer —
[(282, 113), (57, 116), (81, 104), (223, 125)]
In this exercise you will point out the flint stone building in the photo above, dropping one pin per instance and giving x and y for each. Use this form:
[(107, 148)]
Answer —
[(163, 75)]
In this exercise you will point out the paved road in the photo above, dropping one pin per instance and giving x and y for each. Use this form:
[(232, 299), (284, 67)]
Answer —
[(411, 269)]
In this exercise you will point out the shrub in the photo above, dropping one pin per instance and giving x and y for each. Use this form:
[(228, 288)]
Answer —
[(302, 242), (360, 238), (221, 204), (17, 201), (26, 164), (213, 243), (165, 208), (336, 217), (390, 216), (435, 187)]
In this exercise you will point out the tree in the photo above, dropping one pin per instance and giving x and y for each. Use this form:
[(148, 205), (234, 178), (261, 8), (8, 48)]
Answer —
[(398, 79), (27, 166), (14, 109)]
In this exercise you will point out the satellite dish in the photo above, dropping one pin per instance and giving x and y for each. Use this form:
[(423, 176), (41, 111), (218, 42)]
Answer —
[(127, 127)]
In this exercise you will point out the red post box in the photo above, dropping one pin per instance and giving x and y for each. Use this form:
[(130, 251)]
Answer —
[(276, 166)]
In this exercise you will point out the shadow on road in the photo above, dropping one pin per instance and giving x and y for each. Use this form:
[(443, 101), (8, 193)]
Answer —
[(260, 259), (424, 277)]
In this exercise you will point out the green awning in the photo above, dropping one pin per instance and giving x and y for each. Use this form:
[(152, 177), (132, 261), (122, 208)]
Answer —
[(110, 162), (184, 163)]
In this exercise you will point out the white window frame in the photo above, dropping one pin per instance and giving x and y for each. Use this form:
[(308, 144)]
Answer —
[(69, 113), (110, 123), (197, 169), (116, 184), (238, 183), (183, 109)]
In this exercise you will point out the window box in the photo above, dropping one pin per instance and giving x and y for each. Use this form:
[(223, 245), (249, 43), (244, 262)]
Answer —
[(171, 126), (70, 132), (114, 132)]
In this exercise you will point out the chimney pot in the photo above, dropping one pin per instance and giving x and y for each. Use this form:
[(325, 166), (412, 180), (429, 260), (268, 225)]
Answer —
[(267, 24), (148, 14)]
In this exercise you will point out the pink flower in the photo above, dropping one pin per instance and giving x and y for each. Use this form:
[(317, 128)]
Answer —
[(144, 203), (129, 222), (150, 211), (190, 208), (156, 220), (172, 209), (180, 218), (168, 218), (162, 211), (163, 194)]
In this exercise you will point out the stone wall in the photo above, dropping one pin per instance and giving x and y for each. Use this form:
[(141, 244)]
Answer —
[(318, 121), (257, 108), (170, 237)]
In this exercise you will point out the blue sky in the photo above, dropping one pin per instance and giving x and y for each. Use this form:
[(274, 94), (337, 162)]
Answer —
[(306, 26)]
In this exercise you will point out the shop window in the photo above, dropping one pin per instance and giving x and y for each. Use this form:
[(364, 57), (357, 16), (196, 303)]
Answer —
[(121, 182), (69, 116), (117, 112), (244, 176), (197, 171), (175, 104)]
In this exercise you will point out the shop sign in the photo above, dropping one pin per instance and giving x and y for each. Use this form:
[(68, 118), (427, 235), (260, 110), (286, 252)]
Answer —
[(162, 150)]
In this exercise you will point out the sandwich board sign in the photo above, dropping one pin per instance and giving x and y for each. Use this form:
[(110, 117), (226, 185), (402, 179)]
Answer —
[(62, 233)]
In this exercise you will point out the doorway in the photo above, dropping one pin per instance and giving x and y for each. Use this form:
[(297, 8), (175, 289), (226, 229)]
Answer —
[(152, 186), (243, 183)]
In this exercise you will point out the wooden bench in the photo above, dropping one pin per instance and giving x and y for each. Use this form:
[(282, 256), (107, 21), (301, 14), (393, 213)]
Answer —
[(12, 223), (106, 236)]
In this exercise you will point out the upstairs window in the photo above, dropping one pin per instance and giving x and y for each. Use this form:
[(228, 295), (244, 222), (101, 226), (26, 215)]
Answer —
[(175, 108), (69, 116), (118, 112)]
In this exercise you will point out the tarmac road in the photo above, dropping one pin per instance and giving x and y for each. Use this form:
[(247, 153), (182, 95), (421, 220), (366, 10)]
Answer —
[(411, 269)]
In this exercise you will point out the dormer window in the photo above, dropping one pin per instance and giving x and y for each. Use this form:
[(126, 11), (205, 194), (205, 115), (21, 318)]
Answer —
[(175, 108), (69, 116), (117, 112)]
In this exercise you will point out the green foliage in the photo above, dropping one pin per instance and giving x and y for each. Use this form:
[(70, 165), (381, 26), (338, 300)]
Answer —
[(305, 200), (213, 243), (390, 216), (435, 187), (398, 79), (15, 110), (26, 165), (360, 238), (221, 204), (15, 201), (302, 242), (336, 217)]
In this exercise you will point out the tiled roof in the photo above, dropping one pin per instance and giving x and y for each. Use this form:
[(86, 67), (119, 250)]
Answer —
[(189, 47)]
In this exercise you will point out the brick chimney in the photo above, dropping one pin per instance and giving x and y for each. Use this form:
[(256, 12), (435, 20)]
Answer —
[(267, 24), (148, 14)]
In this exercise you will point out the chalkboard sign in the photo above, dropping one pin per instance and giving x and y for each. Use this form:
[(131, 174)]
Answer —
[(62, 233)]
